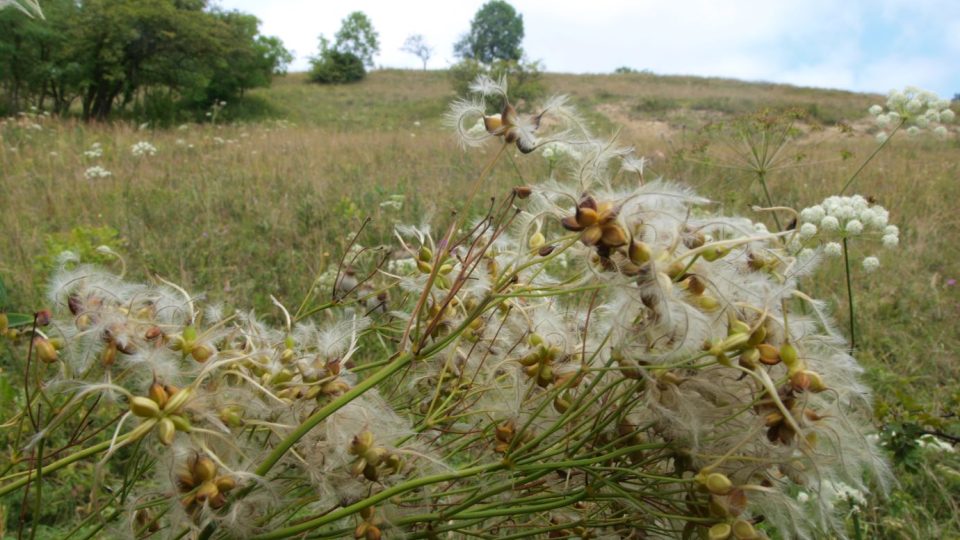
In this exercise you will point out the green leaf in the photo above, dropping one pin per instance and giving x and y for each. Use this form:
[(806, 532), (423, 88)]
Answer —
[(3, 294), (19, 319)]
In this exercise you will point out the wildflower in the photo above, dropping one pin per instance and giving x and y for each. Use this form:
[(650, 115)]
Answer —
[(95, 151), (854, 227), (808, 230), (833, 249), (96, 172), (143, 148), (830, 223), (940, 131), (875, 110), (870, 264), (890, 241)]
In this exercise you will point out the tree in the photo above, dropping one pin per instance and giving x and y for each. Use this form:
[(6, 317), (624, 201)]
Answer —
[(332, 66), (417, 46), (357, 36), (496, 33)]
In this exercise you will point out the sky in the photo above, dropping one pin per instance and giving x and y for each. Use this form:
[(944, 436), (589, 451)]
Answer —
[(860, 45)]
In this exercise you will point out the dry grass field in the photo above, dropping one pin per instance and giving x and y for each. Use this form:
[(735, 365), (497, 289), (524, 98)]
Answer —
[(244, 210)]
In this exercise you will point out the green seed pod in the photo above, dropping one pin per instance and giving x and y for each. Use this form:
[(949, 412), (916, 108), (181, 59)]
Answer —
[(190, 333), (375, 455), (743, 530), (424, 267), (536, 241), (720, 531), (718, 484), (738, 327), (177, 398), (707, 303), (714, 253), (166, 431), (180, 422), (445, 269), (144, 407), (788, 353), (750, 357), (207, 490), (361, 443), (425, 254), (202, 353), (758, 336)]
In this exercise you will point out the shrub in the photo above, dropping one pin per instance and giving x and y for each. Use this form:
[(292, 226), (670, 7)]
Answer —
[(336, 67)]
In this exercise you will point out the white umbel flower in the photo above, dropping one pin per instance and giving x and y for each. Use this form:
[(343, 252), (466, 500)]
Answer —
[(870, 264)]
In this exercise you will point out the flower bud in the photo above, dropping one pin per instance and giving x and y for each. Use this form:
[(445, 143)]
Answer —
[(144, 407)]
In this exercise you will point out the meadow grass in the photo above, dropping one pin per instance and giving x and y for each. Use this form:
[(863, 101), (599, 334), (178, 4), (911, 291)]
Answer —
[(243, 211)]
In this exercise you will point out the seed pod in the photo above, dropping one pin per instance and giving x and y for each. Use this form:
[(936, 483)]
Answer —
[(613, 236), (204, 468), (43, 317), (75, 304), (695, 285), (718, 484), (693, 240), (185, 481), (445, 269), (750, 357), (373, 533), (808, 380), (720, 531), (522, 192), (743, 530), (356, 469), (153, 333), (537, 240), (586, 216), (758, 336), (738, 327), (504, 431), (708, 303), (361, 530), (144, 407), (374, 455), (714, 253), (366, 513), (177, 398), (180, 422), (166, 431), (545, 251), (225, 483), (361, 443), (424, 267), (769, 354), (45, 350), (202, 353), (371, 473), (206, 490), (158, 394), (788, 353)]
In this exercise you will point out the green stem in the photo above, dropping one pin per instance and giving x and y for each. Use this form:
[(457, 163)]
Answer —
[(72, 458), (871, 156), (283, 446), (386, 494), (39, 495), (762, 176), (846, 264)]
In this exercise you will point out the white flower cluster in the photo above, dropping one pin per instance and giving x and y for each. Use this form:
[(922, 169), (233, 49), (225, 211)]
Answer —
[(846, 217), (143, 148), (920, 109), (95, 151), (96, 172)]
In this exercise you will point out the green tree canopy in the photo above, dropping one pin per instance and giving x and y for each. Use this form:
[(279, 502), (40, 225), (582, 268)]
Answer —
[(496, 33), (357, 36)]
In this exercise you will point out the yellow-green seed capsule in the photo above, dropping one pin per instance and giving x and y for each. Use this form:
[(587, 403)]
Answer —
[(445, 269), (788, 353), (45, 350), (180, 422), (425, 254), (166, 431), (738, 327), (743, 530), (758, 336), (158, 394), (718, 484), (202, 353), (204, 469), (714, 253), (225, 483), (537, 240), (720, 531), (144, 407)]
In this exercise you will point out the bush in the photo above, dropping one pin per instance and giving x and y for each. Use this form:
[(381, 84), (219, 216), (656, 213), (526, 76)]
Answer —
[(336, 67), (524, 79)]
